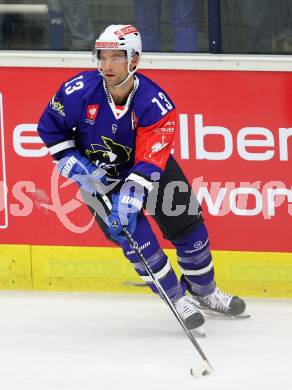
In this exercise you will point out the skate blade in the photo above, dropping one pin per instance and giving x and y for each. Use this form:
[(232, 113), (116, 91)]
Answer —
[(241, 316), (201, 370), (223, 316), (218, 314), (199, 332)]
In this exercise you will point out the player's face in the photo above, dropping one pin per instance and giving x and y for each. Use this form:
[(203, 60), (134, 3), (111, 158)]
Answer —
[(114, 66)]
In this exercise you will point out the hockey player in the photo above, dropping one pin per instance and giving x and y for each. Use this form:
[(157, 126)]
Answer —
[(119, 122)]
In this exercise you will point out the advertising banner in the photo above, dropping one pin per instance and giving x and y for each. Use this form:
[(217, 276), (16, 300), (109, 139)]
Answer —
[(3, 186), (233, 141)]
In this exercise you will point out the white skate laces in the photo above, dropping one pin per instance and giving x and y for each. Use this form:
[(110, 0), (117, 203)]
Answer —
[(222, 302), (191, 315), (218, 300)]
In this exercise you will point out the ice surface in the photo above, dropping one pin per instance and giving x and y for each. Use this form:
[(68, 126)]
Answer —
[(133, 342)]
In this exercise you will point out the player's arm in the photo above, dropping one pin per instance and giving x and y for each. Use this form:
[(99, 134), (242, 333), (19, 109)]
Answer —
[(153, 147), (56, 129), (57, 123)]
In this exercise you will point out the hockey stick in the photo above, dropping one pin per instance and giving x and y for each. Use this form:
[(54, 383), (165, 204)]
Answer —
[(202, 369)]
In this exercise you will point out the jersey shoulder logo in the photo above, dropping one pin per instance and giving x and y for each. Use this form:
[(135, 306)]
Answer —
[(56, 106), (158, 146), (153, 149)]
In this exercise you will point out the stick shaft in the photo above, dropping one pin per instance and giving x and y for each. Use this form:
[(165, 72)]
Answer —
[(158, 285)]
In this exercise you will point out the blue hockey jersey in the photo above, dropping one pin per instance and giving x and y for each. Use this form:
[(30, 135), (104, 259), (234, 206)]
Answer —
[(135, 139)]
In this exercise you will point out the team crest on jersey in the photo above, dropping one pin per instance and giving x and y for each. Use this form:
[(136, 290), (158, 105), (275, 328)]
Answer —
[(91, 113), (109, 155)]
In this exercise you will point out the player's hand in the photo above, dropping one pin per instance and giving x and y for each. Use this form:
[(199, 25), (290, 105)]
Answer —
[(126, 206), (80, 169)]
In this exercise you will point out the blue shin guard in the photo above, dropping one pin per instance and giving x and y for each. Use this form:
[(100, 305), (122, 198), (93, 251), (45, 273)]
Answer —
[(156, 260), (195, 261)]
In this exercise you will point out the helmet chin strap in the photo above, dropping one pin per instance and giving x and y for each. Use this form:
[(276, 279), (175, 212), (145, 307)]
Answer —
[(130, 74)]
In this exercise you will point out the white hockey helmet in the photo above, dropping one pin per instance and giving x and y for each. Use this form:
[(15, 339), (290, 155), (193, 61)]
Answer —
[(120, 37)]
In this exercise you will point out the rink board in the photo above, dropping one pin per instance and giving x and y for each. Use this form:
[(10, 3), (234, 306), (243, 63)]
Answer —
[(15, 267), (62, 268), (234, 152), (230, 143)]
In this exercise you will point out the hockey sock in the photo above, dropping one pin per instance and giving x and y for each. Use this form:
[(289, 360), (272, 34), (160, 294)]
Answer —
[(156, 260), (195, 261)]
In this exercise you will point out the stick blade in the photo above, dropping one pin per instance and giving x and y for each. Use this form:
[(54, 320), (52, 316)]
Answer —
[(201, 370)]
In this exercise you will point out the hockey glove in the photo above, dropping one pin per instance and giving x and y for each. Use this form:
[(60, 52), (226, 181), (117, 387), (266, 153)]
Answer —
[(80, 169), (125, 209)]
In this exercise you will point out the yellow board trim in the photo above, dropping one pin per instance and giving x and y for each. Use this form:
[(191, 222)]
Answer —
[(15, 267), (68, 268)]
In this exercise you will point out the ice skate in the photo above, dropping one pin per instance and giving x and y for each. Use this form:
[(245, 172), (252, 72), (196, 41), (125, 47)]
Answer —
[(191, 315), (221, 303)]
